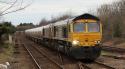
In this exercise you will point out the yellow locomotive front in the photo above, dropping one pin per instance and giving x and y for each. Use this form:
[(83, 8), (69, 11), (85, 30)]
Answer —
[(85, 35)]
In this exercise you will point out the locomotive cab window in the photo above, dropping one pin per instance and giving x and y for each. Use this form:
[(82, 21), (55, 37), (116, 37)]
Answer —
[(93, 27), (79, 27)]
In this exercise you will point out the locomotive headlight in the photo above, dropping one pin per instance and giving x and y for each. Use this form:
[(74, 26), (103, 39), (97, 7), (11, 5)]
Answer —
[(97, 42), (75, 42)]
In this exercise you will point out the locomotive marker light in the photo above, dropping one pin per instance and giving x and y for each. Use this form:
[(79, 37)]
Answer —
[(86, 21), (97, 42), (75, 42)]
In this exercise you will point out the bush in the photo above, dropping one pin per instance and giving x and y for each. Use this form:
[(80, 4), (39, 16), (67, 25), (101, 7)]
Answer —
[(6, 28)]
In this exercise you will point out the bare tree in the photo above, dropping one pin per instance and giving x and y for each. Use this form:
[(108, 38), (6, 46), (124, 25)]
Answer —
[(112, 17), (43, 22), (55, 19), (10, 6)]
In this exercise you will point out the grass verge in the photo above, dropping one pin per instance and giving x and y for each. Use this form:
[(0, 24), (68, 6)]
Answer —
[(6, 52)]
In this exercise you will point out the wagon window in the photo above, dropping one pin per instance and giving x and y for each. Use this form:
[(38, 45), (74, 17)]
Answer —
[(93, 27), (79, 27)]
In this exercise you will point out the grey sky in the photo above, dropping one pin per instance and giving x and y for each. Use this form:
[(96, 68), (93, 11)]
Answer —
[(48, 8)]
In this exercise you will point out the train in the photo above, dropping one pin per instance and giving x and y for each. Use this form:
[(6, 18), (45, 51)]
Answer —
[(79, 37)]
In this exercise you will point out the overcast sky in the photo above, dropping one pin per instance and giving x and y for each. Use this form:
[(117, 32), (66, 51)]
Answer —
[(48, 8)]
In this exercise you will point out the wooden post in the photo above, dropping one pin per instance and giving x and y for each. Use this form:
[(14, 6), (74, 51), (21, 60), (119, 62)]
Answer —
[(10, 38)]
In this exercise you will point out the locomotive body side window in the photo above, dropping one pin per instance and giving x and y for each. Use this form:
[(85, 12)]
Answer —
[(54, 31), (65, 31), (69, 28), (50, 33)]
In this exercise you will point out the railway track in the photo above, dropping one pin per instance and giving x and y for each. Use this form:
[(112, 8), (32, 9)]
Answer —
[(113, 49), (104, 65), (82, 65), (21, 58), (50, 62), (113, 62), (37, 64), (96, 64), (115, 57)]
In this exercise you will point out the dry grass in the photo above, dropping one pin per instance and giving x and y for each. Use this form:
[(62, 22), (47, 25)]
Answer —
[(114, 42), (6, 52), (106, 53)]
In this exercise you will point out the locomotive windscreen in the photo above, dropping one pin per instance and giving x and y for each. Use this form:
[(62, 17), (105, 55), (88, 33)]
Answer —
[(93, 27), (86, 27), (79, 27)]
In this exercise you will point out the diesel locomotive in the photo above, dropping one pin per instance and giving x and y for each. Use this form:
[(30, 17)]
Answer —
[(79, 37)]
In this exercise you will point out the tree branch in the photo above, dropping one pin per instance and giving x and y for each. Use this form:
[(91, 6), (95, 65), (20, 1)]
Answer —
[(9, 7), (16, 10), (6, 2)]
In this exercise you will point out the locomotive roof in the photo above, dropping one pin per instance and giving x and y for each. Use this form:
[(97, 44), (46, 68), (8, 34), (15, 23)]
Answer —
[(86, 16)]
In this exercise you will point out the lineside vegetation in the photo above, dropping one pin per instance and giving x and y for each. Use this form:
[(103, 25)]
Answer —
[(6, 28), (112, 17)]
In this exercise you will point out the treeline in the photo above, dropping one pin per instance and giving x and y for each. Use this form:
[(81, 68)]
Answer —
[(55, 19), (113, 19), (24, 26), (6, 28)]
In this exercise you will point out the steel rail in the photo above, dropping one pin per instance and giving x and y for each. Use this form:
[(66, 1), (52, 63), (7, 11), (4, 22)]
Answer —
[(60, 66), (32, 57), (61, 58), (111, 48), (109, 67), (113, 56), (83, 66)]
